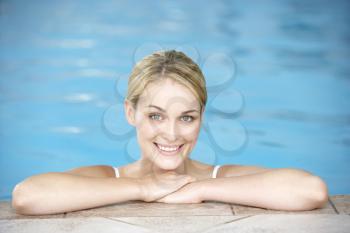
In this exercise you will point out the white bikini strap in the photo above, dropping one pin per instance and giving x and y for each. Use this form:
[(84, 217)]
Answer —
[(215, 171), (116, 172)]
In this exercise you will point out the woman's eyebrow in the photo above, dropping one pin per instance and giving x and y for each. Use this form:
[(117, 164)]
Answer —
[(162, 110)]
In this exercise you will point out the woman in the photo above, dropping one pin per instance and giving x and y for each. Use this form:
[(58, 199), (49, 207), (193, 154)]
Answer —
[(165, 103)]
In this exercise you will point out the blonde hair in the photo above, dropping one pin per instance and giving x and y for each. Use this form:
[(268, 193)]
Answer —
[(167, 64)]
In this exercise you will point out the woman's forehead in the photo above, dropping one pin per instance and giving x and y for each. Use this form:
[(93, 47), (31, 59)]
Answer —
[(168, 93)]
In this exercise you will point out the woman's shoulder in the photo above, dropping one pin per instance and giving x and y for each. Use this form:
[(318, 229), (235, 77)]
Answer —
[(93, 171), (229, 170), (200, 170)]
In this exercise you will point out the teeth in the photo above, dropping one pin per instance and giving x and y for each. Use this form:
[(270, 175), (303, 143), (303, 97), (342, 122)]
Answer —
[(168, 149)]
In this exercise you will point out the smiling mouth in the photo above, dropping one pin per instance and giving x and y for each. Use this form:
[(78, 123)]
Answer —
[(168, 150)]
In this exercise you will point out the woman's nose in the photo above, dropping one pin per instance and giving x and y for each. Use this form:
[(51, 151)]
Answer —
[(170, 131)]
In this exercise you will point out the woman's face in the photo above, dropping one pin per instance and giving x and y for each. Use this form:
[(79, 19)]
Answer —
[(167, 120)]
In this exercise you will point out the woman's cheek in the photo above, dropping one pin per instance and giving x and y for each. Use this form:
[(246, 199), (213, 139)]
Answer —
[(147, 129), (190, 132)]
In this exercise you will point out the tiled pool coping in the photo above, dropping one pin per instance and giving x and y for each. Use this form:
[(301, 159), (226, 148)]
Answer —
[(204, 217)]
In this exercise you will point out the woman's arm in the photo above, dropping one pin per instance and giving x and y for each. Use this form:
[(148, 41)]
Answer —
[(88, 187), (280, 189), (56, 192), (102, 171)]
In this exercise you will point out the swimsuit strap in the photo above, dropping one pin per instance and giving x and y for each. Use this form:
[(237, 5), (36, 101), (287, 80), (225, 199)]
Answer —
[(215, 171), (116, 172)]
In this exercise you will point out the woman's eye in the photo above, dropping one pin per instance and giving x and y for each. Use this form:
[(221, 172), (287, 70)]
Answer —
[(155, 117), (187, 118)]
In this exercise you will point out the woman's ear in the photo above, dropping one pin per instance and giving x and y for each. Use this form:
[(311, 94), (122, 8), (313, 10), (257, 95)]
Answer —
[(129, 112), (202, 113)]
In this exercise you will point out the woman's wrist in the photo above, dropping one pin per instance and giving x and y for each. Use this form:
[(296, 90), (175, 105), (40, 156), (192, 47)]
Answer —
[(204, 189), (131, 187), (141, 191)]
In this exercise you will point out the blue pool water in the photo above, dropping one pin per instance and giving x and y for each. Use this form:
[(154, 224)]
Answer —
[(277, 72)]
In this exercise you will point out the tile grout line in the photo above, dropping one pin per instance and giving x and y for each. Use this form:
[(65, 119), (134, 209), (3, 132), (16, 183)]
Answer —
[(231, 221), (152, 216), (133, 224), (333, 206), (233, 211)]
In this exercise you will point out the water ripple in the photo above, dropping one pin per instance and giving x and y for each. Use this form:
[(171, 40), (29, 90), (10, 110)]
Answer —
[(293, 115), (272, 144), (79, 97), (69, 43), (67, 129)]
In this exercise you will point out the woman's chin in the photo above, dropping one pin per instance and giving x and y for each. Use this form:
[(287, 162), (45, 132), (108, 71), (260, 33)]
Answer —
[(168, 164)]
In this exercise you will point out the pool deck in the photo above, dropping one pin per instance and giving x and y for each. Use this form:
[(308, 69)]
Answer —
[(204, 217)]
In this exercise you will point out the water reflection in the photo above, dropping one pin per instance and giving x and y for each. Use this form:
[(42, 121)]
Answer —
[(220, 104), (227, 136), (272, 144), (219, 70), (115, 124), (68, 129), (59, 61), (79, 97), (311, 117)]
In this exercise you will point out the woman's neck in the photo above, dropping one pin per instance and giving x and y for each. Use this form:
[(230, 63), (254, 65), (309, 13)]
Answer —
[(145, 167)]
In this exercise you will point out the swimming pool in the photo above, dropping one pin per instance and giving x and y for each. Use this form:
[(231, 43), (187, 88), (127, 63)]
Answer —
[(283, 65)]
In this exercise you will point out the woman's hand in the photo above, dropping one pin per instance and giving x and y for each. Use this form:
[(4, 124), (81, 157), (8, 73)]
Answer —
[(190, 193), (155, 186)]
